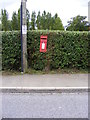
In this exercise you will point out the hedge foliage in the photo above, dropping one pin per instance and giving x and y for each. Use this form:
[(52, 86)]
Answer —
[(64, 50), (11, 50)]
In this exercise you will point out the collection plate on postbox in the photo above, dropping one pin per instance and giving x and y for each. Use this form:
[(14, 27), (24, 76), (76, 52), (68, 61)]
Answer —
[(43, 43)]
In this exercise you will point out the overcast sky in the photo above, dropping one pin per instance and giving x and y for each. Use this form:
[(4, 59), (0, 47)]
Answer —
[(66, 9)]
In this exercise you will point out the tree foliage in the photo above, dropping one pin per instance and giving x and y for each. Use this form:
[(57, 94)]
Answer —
[(77, 23), (14, 21), (33, 20), (28, 18), (38, 21), (19, 19), (47, 22), (0, 27), (4, 20), (44, 21), (9, 25), (58, 24)]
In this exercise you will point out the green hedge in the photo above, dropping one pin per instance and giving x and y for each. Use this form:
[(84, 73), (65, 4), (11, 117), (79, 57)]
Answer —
[(11, 50), (64, 50)]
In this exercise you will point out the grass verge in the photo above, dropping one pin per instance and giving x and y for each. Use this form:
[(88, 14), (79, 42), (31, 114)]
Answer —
[(58, 71)]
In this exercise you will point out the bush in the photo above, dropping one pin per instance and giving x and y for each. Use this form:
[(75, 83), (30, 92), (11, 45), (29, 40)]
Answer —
[(11, 50), (64, 50)]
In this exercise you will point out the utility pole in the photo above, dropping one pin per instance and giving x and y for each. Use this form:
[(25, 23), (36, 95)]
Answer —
[(23, 37), (89, 14), (89, 11)]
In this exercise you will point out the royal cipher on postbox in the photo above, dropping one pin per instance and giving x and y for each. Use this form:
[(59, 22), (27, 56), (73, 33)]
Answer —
[(43, 43)]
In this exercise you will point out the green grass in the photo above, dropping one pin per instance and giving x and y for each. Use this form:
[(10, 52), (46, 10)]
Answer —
[(58, 71)]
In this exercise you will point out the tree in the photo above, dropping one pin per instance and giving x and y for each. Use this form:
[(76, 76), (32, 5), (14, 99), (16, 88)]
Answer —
[(58, 24), (77, 23), (14, 21), (43, 20), (38, 21), (19, 19), (4, 20), (33, 20), (56, 16), (28, 18), (0, 27), (48, 21), (9, 25)]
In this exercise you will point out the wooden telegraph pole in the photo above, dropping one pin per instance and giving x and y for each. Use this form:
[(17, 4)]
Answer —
[(89, 11), (23, 37), (89, 14)]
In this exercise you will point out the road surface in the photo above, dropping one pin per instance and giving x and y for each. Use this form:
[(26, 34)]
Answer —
[(45, 105)]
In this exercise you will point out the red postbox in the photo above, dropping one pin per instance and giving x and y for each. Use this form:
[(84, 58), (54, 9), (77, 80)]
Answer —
[(43, 43)]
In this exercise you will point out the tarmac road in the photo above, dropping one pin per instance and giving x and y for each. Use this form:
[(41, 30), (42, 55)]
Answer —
[(45, 105)]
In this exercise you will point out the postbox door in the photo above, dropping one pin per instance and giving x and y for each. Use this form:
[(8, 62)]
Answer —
[(43, 44)]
